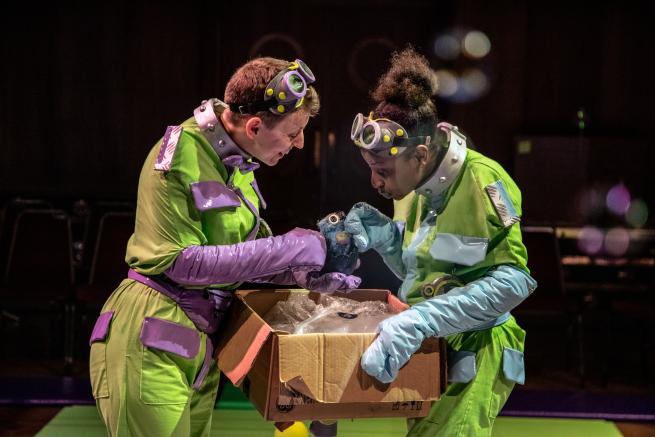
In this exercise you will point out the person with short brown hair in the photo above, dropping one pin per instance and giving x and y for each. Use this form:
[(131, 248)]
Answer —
[(198, 235)]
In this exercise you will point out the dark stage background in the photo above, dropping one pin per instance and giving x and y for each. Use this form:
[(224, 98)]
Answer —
[(565, 104), (87, 89)]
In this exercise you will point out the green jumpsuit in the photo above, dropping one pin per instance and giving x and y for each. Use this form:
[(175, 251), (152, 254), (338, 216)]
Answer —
[(462, 233), (149, 391)]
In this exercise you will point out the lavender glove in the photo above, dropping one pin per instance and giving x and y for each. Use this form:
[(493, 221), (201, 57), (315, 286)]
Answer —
[(312, 280), (222, 264), (327, 282)]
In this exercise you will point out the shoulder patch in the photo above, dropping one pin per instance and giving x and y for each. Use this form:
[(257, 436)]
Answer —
[(167, 149), (502, 203)]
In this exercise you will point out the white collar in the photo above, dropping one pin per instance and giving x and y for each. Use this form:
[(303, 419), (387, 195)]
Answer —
[(449, 167), (212, 127)]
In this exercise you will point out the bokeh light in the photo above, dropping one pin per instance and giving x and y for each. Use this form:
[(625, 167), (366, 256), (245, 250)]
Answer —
[(464, 75), (637, 213), (590, 240), (447, 47), (617, 241), (448, 83), (474, 82), (618, 199), (476, 44)]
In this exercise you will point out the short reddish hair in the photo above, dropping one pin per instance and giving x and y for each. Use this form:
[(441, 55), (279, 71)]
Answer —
[(247, 85)]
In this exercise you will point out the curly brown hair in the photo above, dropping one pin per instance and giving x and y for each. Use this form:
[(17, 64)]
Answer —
[(248, 82), (404, 93)]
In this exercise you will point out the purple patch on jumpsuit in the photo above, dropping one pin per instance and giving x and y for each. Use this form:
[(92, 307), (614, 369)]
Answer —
[(213, 195), (170, 337), (101, 327)]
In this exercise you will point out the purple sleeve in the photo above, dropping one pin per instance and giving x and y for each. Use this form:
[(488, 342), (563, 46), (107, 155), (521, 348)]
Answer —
[(284, 278), (203, 265)]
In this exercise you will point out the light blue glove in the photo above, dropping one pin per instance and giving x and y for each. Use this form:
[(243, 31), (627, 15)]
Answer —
[(371, 229), (461, 309)]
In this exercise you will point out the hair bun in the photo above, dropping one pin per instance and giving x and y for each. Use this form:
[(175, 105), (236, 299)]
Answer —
[(409, 82)]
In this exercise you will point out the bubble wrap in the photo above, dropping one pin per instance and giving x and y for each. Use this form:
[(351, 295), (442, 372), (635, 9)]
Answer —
[(301, 315)]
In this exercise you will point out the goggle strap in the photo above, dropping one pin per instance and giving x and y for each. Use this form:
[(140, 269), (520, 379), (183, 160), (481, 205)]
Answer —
[(410, 142), (252, 108)]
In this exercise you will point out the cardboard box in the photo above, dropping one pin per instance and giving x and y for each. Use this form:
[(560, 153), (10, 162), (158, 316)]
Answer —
[(318, 376)]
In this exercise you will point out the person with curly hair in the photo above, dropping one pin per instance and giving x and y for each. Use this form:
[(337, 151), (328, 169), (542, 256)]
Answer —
[(455, 242)]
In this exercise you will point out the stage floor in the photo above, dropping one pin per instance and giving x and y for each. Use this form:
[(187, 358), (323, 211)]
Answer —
[(83, 420)]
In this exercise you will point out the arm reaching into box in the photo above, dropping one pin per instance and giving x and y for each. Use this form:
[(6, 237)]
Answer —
[(461, 309), (295, 257), (371, 229)]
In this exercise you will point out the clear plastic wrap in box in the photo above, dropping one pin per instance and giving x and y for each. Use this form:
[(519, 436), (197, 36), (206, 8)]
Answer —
[(301, 315)]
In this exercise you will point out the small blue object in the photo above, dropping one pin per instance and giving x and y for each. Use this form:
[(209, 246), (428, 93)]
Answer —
[(341, 250)]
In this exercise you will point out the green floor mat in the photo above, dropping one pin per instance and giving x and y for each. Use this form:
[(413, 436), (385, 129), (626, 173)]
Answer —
[(84, 421), (542, 427)]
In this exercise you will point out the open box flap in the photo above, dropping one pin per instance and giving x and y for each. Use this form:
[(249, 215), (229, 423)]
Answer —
[(245, 334)]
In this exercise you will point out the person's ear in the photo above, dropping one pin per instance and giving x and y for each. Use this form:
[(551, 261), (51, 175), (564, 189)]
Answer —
[(252, 127), (422, 154)]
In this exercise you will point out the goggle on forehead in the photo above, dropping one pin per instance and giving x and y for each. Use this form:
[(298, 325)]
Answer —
[(284, 93), (382, 136)]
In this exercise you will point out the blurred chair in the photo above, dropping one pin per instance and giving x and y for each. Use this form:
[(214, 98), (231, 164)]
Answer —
[(107, 265), (94, 214), (550, 306), (38, 274), (40, 254), (10, 211)]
